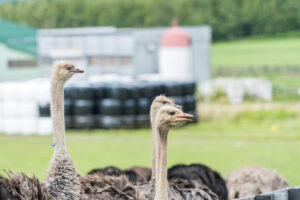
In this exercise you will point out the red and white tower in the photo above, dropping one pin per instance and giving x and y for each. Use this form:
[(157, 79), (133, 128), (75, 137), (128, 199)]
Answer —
[(175, 54)]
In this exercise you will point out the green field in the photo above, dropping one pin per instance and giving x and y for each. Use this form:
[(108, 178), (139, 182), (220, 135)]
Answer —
[(223, 145), (261, 51), (257, 52)]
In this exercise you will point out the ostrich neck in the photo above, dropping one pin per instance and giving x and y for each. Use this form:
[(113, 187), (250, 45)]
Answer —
[(161, 182), (152, 117), (57, 113)]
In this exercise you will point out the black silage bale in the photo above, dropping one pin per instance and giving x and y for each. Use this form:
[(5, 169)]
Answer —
[(143, 106), (83, 107), (117, 91), (129, 107), (68, 90), (142, 121), (147, 90), (190, 102), (128, 121), (100, 90), (83, 121), (110, 107), (110, 122), (68, 122), (173, 89), (44, 109), (159, 88), (189, 88), (140, 89), (134, 91), (178, 100), (83, 91), (68, 107)]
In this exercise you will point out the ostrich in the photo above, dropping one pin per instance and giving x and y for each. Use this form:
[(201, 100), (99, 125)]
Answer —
[(109, 171), (198, 172), (134, 174), (203, 175), (62, 179), (252, 180), (63, 182), (21, 187), (168, 117), (157, 103), (138, 174)]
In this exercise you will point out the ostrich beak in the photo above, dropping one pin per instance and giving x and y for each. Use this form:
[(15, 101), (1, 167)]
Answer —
[(77, 71), (185, 117)]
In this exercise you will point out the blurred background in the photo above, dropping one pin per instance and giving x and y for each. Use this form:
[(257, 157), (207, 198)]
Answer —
[(234, 64)]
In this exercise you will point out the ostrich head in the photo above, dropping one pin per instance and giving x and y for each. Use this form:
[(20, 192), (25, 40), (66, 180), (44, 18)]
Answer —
[(64, 70), (158, 102), (171, 116)]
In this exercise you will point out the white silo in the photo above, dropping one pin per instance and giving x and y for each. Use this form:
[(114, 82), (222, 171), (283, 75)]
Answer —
[(175, 54)]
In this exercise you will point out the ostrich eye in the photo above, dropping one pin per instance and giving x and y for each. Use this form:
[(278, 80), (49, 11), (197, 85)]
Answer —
[(164, 102), (69, 67), (172, 113)]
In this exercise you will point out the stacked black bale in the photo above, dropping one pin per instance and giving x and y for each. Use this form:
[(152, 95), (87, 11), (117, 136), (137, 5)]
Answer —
[(130, 106), (109, 105), (112, 105), (82, 106), (68, 106), (189, 99)]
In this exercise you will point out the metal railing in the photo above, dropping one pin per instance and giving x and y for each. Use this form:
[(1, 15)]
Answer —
[(251, 70), (283, 194)]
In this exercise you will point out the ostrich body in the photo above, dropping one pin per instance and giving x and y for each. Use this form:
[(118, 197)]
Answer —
[(203, 175), (100, 187), (168, 117), (252, 180), (135, 174), (138, 174), (62, 179), (21, 187)]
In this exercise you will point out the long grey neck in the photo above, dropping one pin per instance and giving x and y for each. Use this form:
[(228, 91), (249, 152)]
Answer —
[(161, 181), (152, 118), (57, 113)]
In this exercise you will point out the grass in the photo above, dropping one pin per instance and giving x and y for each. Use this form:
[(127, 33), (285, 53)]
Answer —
[(281, 50), (223, 145), (257, 52)]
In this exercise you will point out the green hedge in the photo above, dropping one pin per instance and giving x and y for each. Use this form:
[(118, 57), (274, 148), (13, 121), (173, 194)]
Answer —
[(229, 18)]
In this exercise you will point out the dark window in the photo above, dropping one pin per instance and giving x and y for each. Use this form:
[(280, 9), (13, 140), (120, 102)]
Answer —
[(94, 61), (110, 61), (126, 61), (21, 63)]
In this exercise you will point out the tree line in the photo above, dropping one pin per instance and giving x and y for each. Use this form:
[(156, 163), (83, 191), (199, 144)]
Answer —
[(229, 19)]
